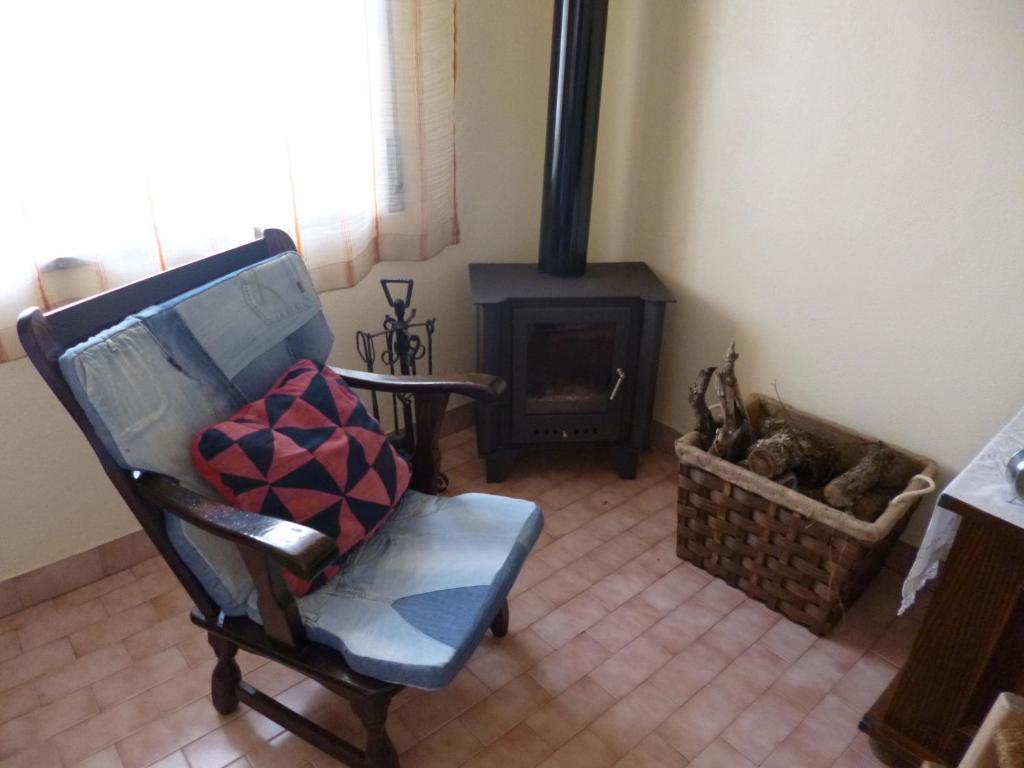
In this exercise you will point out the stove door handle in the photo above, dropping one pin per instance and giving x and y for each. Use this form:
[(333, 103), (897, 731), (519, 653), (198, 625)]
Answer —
[(620, 376)]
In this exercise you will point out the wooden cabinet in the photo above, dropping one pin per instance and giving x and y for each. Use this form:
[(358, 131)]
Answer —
[(971, 643)]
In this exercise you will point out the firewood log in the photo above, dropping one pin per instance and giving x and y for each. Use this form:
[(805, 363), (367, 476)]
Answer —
[(810, 458), (843, 492), (705, 427), (735, 434)]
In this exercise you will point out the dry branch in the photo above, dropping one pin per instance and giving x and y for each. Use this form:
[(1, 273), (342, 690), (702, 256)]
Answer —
[(698, 402)]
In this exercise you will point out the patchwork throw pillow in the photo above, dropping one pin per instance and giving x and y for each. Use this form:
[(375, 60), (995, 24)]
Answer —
[(308, 452)]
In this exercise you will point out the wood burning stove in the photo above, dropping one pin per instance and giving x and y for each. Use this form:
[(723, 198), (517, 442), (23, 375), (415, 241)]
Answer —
[(578, 345), (580, 356)]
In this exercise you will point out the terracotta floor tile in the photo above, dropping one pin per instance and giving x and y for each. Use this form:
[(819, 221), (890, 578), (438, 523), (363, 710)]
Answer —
[(864, 683), (569, 663), (492, 718), (18, 701), (38, 756), (569, 547), (184, 688), (126, 623), (526, 607), (620, 550), (751, 674), (170, 604), (140, 676), (9, 645), (94, 590), (821, 737), (720, 755), (161, 635), (660, 524), (743, 627), (140, 591), (285, 750), (272, 678), (500, 660), (558, 523), (105, 729), (230, 741), (689, 671), (562, 586), (61, 623), (683, 626), (570, 712), (632, 718), (534, 571), (439, 707), (787, 640), (452, 745), (35, 662), (519, 748), (40, 724), (695, 725), (627, 668), (618, 587), (807, 681), (27, 616), (175, 760), (83, 671), (615, 521), (107, 758), (162, 737), (895, 643), (625, 623), (652, 752), (675, 587), (762, 727), (565, 622), (657, 496), (719, 596), (585, 750)]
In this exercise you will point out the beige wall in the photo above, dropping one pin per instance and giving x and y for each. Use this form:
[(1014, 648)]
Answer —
[(55, 501), (840, 187)]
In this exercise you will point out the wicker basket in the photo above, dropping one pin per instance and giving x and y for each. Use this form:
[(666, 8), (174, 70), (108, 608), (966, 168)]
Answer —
[(796, 555)]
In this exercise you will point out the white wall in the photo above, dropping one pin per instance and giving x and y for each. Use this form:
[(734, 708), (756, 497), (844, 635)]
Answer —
[(55, 501), (840, 187)]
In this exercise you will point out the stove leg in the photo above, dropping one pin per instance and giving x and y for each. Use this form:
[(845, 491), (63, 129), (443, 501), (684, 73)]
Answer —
[(499, 464), (625, 459)]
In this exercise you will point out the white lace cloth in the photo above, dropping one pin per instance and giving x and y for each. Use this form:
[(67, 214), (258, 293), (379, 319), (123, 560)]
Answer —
[(982, 484)]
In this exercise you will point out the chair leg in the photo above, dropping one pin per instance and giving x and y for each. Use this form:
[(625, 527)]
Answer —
[(226, 676), (373, 712), (499, 627)]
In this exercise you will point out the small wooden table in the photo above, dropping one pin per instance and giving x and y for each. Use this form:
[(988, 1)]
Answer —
[(971, 643)]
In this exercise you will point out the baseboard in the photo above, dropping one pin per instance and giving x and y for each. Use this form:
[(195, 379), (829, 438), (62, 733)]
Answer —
[(54, 579)]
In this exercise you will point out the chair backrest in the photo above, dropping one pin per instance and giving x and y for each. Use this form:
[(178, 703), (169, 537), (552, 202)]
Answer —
[(143, 367)]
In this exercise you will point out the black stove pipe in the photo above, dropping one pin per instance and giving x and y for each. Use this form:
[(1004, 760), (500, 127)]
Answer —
[(574, 101)]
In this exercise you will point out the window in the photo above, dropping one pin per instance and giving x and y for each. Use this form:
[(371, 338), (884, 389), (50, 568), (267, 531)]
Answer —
[(144, 135)]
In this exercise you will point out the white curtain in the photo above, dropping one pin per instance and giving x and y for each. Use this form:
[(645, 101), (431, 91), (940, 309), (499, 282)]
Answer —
[(137, 136)]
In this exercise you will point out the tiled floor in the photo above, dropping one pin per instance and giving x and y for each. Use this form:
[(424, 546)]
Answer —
[(619, 655)]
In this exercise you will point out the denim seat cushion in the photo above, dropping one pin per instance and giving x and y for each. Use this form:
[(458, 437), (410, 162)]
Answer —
[(149, 383), (411, 604)]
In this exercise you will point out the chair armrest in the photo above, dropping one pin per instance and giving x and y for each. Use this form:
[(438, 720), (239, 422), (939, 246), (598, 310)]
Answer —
[(479, 386), (297, 548)]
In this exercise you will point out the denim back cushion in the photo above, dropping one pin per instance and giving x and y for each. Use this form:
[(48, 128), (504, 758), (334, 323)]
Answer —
[(149, 383)]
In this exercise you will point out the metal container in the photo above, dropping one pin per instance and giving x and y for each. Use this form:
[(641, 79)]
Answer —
[(1015, 472)]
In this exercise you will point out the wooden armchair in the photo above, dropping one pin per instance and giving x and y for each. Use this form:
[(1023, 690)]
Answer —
[(267, 620)]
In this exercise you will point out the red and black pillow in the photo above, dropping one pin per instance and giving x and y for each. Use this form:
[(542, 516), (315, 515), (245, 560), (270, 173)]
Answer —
[(308, 452)]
